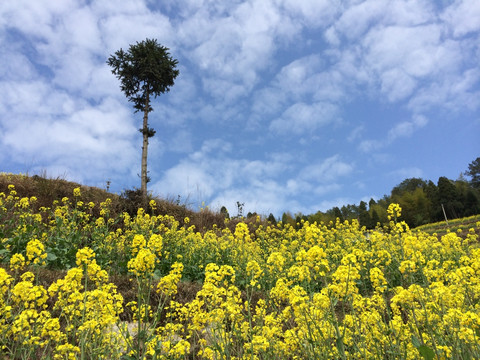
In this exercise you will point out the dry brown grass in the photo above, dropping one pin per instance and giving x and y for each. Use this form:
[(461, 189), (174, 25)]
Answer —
[(47, 190)]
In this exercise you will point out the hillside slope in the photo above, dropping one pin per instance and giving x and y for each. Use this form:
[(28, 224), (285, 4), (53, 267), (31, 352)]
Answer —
[(48, 190)]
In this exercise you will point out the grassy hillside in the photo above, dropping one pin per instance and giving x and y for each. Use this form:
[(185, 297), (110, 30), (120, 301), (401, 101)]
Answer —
[(48, 190), (460, 226)]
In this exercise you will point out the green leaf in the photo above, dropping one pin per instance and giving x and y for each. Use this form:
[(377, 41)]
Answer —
[(157, 275), (128, 357), (51, 257), (416, 342), (426, 352)]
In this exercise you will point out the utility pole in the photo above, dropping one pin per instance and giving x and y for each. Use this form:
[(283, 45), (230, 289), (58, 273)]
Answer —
[(444, 214)]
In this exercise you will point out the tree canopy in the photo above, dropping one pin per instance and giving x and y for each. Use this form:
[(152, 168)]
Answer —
[(144, 70), (474, 172)]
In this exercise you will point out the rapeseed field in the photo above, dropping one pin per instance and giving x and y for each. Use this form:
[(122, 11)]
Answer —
[(317, 291)]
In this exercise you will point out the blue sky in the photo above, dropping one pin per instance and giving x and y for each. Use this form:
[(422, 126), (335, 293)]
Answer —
[(283, 105)]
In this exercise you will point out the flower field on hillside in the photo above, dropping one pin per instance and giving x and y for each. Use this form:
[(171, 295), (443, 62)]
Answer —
[(322, 291)]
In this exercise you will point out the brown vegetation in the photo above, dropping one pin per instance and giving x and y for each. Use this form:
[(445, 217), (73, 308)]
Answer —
[(47, 190)]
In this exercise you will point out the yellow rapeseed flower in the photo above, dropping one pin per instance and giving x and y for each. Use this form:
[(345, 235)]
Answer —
[(66, 352), (5, 281), (36, 252), (378, 280), (143, 264), (254, 272), (153, 204), (155, 244), (394, 211), (168, 284), (17, 262), (138, 243), (84, 256)]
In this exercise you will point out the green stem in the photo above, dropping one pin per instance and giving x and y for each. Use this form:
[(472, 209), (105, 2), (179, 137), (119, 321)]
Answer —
[(82, 341)]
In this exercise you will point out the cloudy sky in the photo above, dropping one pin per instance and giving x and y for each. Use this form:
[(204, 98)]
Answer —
[(283, 105)]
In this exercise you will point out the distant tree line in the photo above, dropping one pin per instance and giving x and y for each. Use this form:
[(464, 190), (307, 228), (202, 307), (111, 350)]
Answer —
[(422, 202)]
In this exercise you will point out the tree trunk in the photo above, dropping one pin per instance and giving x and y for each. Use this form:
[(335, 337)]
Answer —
[(145, 147)]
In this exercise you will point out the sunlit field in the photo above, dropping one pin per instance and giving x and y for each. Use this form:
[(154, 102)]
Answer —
[(317, 291)]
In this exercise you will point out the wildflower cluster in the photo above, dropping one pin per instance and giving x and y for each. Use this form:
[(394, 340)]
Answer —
[(79, 321)]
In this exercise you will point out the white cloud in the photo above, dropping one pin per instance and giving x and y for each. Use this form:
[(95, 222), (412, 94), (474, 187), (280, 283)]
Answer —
[(34, 17), (328, 170), (418, 51), (15, 65), (400, 130), (304, 78), (48, 129), (34, 97), (73, 40), (265, 199), (455, 92), (95, 132), (369, 146), (397, 84), (187, 179), (355, 20), (309, 77), (232, 47), (294, 75), (463, 17), (406, 128), (356, 133), (224, 90), (358, 19), (213, 174), (313, 13), (326, 189), (329, 204), (302, 118), (400, 57), (396, 47)]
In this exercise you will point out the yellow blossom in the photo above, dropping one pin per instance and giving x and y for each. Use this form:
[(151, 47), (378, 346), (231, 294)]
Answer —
[(36, 252), (17, 262), (84, 256), (143, 264)]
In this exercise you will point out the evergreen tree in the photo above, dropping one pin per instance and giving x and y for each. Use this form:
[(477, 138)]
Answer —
[(349, 212), (338, 214), (408, 185), (448, 197), (272, 219), (375, 218), (472, 203), (224, 212), (146, 70), (287, 218), (364, 216), (380, 209), (431, 191), (474, 172)]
